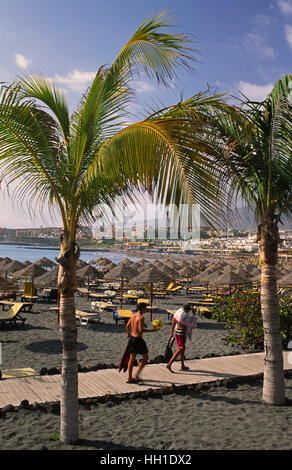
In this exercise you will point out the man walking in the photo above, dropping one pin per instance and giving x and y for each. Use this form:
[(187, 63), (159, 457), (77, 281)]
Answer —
[(183, 322), (135, 329)]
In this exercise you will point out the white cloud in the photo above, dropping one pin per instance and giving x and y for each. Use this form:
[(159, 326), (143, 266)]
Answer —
[(255, 92), (75, 80), (21, 61), (288, 34), (255, 43), (285, 6), (261, 20), (142, 87)]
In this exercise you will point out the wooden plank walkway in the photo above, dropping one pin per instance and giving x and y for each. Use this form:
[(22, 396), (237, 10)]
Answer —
[(41, 389)]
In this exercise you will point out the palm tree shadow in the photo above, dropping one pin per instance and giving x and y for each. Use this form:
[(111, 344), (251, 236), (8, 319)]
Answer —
[(51, 346)]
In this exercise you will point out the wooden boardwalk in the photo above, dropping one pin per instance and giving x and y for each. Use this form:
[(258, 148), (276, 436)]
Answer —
[(41, 389)]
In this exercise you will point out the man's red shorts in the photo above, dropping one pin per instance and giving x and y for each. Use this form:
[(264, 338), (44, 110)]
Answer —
[(181, 341)]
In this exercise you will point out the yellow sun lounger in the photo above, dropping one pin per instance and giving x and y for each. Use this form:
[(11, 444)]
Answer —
[(145, 301), (124, 315), (12, 315)]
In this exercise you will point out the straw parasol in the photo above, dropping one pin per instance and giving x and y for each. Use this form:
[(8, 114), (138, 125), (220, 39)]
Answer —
[(30, 272), (103, 261), (172, 265), (109, 266), (87, 271), (151, 275), (126, 261), (45, 262), (81, 264), (122, 271), (97, 260), (137, 266), (12, 267), (142, 261), (228, 277), (27, 263), (5, 261), (286, 280), (48, 279), (6, 285), (186, 271)]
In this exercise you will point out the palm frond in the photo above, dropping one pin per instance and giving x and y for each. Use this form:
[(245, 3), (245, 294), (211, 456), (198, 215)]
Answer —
[(156, 53)]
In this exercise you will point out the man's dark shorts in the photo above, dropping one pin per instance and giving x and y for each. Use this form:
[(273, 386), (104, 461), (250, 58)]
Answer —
[(137, 345)]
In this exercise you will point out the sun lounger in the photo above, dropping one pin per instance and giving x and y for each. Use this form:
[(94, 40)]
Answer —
[(26, 306), (145, 301), (12, 315), (176, 289), (83, 317), (122, 315), (101, 306), (130, 297), (156, 293), (170, 286)]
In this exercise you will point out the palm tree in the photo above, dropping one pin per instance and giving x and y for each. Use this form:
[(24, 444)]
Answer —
[(259, 169), (78, 162)]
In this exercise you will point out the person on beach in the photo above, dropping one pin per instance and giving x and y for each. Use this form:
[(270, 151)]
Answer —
[(135, 329), (183, 322)]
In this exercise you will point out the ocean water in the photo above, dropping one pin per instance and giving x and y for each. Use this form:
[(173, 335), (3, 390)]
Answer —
[(32, 254)]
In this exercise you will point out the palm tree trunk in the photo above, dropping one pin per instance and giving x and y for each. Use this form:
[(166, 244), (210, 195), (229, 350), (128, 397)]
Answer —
[(274, 382), (69, 426)]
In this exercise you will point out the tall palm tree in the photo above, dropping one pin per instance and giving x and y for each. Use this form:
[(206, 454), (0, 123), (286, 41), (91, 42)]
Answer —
[(259, 169), (87, 159)]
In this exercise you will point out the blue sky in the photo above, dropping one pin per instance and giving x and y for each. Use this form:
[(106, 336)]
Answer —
[(242, 45)]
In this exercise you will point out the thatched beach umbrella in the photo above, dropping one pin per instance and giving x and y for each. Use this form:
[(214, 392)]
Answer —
[(6, 285), (97, 260), (137, 266), (286, 280), (188, 272), (149, 276), (228, 277), (45, 263), (87, 272), (142, 261), (109, 266), (204, 277), (12, 267), (5, 261), (172, 265), (103, 261), (48, 279), (126, 262), (81, 264), (30, 272), (121, 272), (27, 263)]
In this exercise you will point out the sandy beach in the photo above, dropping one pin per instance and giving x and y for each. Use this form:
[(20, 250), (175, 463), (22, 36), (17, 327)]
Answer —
[(217, 418)]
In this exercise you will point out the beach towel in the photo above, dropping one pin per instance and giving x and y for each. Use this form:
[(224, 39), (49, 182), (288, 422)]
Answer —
[(125, 359), (187, 319), (168, 351)]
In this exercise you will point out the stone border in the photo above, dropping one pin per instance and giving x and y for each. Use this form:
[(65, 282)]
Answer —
[(229, 383)]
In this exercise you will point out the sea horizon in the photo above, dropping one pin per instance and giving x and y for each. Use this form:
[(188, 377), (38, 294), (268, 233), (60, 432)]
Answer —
[(33, 253)]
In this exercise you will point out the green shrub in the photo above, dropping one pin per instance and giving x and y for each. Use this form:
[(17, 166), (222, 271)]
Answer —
[(242, 315)]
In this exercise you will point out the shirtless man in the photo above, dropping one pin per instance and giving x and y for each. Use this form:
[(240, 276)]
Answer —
[(181, 335), (135, 329)]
